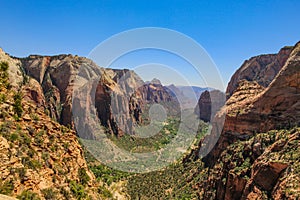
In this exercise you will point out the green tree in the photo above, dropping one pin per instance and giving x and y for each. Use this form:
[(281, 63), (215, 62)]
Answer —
[(18, 109)]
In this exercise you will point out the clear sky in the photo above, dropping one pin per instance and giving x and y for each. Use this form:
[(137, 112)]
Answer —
[(230, 31)]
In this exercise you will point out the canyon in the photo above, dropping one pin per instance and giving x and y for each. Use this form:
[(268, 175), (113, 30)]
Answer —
[(256, 155)]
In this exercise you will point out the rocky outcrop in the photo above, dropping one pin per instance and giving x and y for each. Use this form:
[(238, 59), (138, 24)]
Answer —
[(254, 108), (154, 92), (38, 155), (261, 69), (121, 98), (34, 92), (263, 167), (56, 75), (120, 95), (14, 70), (277, 106), (209, 104), (265, 175)]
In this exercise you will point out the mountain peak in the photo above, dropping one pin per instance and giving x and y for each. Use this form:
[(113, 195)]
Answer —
[(156, 81)]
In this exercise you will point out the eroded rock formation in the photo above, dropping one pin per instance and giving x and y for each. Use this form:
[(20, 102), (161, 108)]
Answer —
[(209, 104), (118, 92), (256, 106), (262, 69)]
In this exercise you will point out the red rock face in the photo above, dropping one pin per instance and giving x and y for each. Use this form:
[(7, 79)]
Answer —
[(261, 69), (265, 175), (209, 104), (34, 92), (55, 75), (258, 168), (55, 78), (277, 106), (252, 109)]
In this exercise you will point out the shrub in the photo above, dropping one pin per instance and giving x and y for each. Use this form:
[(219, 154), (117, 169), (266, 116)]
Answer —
[(22, 173), (31, 153), (47, 112), (108, 175), (4, 75), (51, 139), (34, 164), (83, 176), (25, 139), (4, 66), (28, 195), (66, 146), (105, 193), (30, 163), (65, 193), (63, 129), (39, 138), (49, 194), (13, 137), (5, 129), (77, 190), (6, 187), (18, 109), (35, 117), (30, 129), (45, 157), (2, 98)]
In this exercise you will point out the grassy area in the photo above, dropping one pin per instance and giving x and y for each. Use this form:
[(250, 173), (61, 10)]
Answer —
[(140, 145), (173, 182)]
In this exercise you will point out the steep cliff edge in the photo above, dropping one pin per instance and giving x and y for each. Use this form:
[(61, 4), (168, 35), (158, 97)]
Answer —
[(277, 106), (57, 77), (262, 69), (209, 104), (253, 109), (39, 157)]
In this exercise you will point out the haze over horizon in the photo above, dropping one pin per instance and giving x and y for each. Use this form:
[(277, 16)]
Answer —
[(229, 31)]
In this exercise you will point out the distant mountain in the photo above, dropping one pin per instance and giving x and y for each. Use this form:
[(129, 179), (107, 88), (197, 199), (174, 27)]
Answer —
[(189, 95)]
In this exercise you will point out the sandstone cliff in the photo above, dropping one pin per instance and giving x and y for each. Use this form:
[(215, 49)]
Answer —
[(261, 69), (39, 157), (253, 108), (209, 104), (256, 106), (120, 95), (14, 71)]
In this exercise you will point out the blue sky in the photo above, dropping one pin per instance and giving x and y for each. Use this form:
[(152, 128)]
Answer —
[(230, 31)]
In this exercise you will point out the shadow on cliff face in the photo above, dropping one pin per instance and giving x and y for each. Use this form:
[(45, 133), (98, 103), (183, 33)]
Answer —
[(256, 106)]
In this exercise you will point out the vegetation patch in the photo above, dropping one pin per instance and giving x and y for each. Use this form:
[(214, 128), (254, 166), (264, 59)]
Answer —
[(6, 187), (28, 195)]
